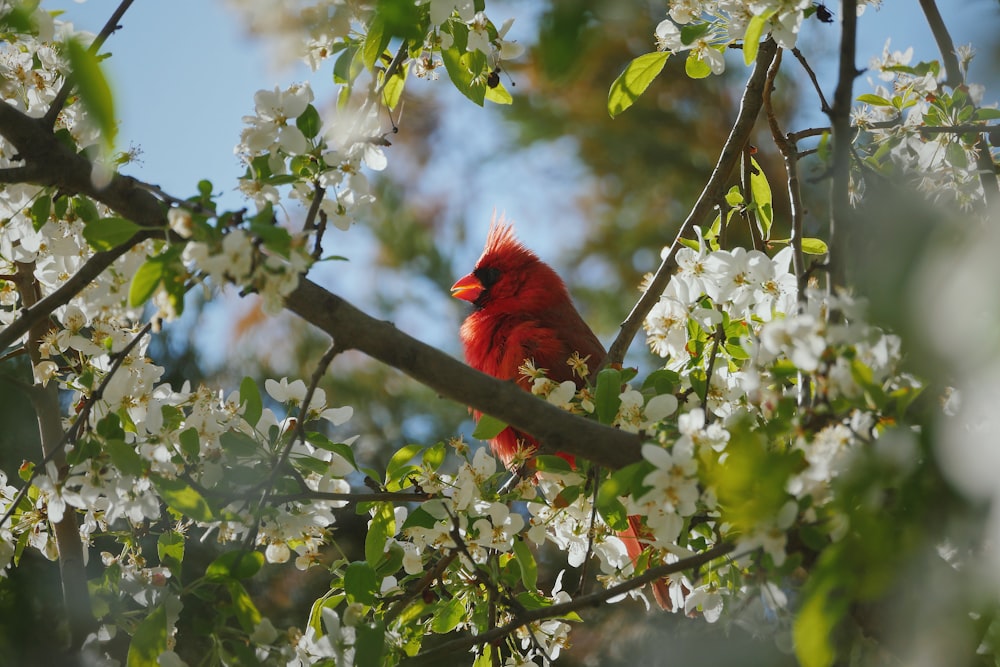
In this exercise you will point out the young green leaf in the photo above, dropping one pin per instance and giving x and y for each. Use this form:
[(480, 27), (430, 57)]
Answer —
[(634, 81), (526, 561), (695, 67), (393, 89), (95, 93), (149, 640), (607, 395), (360, 582), (108, 233), (238, 564), (309, 122), (762, 198), (754, 31), (250, 400), (813, 246), (380, 529), (182, 498), (488, 428), (369, 644), (244, 609)]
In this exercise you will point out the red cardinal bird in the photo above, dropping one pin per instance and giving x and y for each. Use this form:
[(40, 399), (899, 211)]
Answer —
[(522, 311)]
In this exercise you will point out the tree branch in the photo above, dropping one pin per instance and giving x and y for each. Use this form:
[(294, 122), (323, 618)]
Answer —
[(556, 429), (714, 190), (592, 600), (840, 121)]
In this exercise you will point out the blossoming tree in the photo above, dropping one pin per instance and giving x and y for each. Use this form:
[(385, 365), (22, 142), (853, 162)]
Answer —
[(787, 453)]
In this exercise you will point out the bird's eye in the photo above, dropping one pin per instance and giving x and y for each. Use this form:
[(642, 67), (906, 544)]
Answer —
[(488, 275)]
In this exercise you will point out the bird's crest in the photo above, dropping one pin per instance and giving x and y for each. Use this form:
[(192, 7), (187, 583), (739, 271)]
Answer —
[(501, 240)]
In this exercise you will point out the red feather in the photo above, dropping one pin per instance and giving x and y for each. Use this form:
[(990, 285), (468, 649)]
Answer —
[(523, 312)]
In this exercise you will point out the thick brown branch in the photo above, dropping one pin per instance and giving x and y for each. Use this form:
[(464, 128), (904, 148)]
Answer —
[(714, 190), (556, 429)]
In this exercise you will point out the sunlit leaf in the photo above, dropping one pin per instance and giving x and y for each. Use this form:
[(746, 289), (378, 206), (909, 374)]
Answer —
[(634, 80), (95, 93)]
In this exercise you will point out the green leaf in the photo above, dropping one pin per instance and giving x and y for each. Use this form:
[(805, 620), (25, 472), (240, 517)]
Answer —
[(695, 67), (360, 582), (108, 233), (369, 644), (986, 114), (250, 400), (754, 31), (190, 441), (182, 498), (419, 518), (245, 610), (465, 68), (393, 90), (434, 456), (634, 81), (309, 122), (813, 246), (149, 640), (145, 281), (526, 561), (488, 428), (550, 463), (95, 93), (85, 210), (499, 95), (399, 459), (125, 458), (380, 529), (40, 210), (375, 42), (170, 550), (237, 564), (761, 191), (875, 100), (607, 395), (814, 626), (239, 445), (621, 483), (692, 31), (448, 616)]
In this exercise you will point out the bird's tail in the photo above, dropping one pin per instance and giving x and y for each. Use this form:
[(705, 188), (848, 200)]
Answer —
[(634, 544)]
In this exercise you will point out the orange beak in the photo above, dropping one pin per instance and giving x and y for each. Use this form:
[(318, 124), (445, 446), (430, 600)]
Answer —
[(468, 288)]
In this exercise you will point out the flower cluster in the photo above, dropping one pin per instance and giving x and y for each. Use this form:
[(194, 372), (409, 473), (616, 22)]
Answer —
[(706, 28), (906, 121)]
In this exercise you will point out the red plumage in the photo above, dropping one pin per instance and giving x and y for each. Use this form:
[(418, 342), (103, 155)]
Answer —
[(523, 311)]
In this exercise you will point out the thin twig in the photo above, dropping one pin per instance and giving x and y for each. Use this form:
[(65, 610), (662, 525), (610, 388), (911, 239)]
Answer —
[(824, 107), (750, 107)]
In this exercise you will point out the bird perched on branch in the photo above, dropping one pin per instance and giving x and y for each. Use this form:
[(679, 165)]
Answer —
[(522, 312)]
